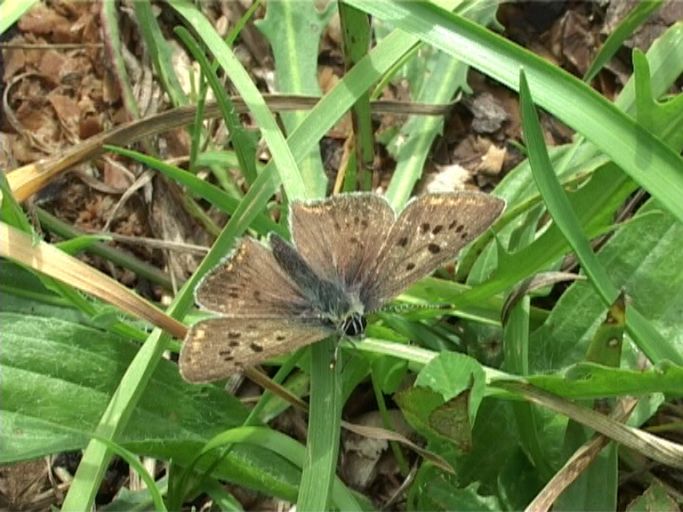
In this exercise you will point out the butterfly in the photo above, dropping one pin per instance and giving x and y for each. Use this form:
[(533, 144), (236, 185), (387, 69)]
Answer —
[(351, 254)]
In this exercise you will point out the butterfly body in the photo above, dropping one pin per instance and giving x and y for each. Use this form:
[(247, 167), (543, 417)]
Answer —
[(350, 255), (332, 302)]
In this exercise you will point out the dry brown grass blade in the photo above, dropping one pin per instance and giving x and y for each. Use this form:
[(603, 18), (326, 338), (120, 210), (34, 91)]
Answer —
[(389, 435), (47, 259), (29, 179), (578, 462), (659, 449)]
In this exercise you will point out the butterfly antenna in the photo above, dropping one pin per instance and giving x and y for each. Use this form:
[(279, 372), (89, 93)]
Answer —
[(409, 308)]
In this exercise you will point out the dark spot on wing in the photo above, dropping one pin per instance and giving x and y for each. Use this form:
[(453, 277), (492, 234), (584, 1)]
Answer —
[(251, 326), (434, 248), (280, 337), (437, 229), (224, 352), (229, 358), (257, 295), (459, 228), (256, 347), (234, 343), (464, 235), (425, 227), (364, 223), (234, 334), (234, 295), (410, 266), (402, 242), (337, 226), (356, 220)]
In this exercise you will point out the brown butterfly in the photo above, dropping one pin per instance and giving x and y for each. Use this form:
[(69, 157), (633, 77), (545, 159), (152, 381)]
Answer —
[(351, 254)]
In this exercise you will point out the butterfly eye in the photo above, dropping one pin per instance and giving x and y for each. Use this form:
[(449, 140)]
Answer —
[(354, 325)]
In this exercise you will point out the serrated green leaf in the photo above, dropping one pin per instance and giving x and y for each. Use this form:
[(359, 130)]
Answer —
[(293, 28)]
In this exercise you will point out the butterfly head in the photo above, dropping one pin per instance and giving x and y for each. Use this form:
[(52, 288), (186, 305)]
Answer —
[(353, 326), (346, 314)]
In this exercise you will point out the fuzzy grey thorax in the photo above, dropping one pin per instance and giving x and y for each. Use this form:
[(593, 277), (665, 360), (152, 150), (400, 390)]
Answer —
[(344, 310)]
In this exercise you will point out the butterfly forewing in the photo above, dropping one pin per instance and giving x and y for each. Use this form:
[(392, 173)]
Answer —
[(251, 283), (429, 232), (340, 237), (218, 347)]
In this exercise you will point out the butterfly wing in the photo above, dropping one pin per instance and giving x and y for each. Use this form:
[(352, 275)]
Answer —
[(250, 283), (430, 231), (263, 314), (340, 237), (217, 347)]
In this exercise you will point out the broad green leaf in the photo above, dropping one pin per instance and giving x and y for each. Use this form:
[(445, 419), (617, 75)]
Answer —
[(644, 259), (451, 373), (59, 375), (655, 497)]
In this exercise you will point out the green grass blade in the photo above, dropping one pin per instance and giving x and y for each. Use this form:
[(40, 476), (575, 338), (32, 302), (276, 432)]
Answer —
[(646, 337), (285, 162), (126, 260), (241, 142), (217, 197), (286, 447), (445, 77), (324, 427), (356, 34), (133, 461), (626, 27), (11, 11), (159, 51)]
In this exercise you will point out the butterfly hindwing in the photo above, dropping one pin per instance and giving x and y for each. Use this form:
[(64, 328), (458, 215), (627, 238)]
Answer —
[(428, 232), (217, 347), (340, 237)]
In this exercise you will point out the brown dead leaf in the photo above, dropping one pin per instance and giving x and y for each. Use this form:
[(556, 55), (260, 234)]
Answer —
[(67, 110), (327, 78), (15, 61), (40, 121), (573, 40), (492, 161), (42, 20), (51, 65), (90, 125)]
